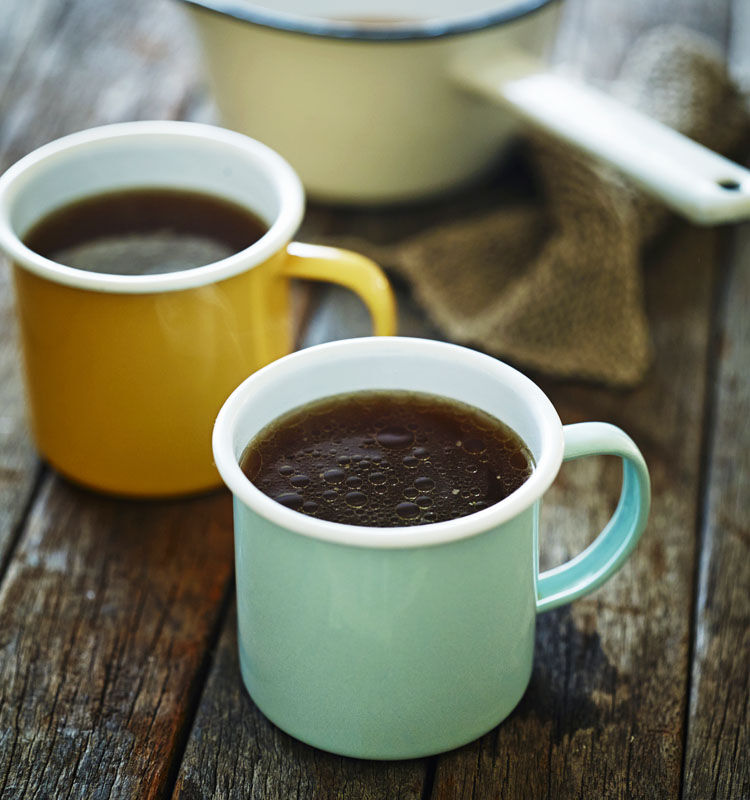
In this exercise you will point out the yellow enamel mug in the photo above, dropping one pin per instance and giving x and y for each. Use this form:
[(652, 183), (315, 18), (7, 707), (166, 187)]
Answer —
[(125, 373)]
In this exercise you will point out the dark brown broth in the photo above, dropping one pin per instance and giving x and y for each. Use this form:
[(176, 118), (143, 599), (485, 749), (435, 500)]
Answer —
[(387, 458), (144, 231)]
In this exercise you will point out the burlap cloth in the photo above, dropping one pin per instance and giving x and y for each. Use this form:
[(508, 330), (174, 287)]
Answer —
[(556, 286)]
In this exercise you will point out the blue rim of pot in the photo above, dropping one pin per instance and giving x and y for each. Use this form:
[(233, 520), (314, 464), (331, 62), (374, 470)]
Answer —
[(370, 31)]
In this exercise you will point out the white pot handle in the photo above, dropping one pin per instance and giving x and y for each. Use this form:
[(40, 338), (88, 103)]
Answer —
[(705, 187)]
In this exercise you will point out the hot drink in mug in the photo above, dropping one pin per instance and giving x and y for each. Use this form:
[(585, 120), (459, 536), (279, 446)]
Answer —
[(381, 640), (152, 264)]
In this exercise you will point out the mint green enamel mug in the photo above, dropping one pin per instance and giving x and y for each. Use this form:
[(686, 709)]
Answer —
[(391, 643)]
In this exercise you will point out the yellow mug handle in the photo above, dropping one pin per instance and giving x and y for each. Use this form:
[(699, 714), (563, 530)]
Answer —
[(352, 270)]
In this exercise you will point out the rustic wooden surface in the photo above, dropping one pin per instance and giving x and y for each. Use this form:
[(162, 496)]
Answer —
[(118, 666), (717, 757)]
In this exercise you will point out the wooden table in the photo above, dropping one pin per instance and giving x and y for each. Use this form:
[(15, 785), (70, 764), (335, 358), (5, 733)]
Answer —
[(118, 665)]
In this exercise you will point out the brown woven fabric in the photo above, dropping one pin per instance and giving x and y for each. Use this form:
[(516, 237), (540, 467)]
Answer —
[(557, 287)]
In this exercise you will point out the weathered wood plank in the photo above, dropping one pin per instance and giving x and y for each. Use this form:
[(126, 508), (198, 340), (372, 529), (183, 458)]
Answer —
[(717, 759), (18, 463), (107, 613), (72, 64), (717, 756), (235, 752)]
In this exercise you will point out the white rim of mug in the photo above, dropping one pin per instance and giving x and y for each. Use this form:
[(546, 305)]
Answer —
[(433, 533), (280, 231), (406, 31)]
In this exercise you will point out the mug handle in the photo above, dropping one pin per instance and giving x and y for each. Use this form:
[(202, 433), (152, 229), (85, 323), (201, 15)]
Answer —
[(352, 270), (607, 553)]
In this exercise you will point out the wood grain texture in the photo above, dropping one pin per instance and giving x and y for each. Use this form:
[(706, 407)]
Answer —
[(73, 64), (18, 463), (107, 615), (717, 756), (717, 760)]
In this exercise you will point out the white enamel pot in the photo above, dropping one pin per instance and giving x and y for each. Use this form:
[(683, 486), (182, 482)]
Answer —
[(382, 101)]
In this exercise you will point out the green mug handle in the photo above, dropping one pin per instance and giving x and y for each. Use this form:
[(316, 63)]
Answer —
[(607, 553)]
